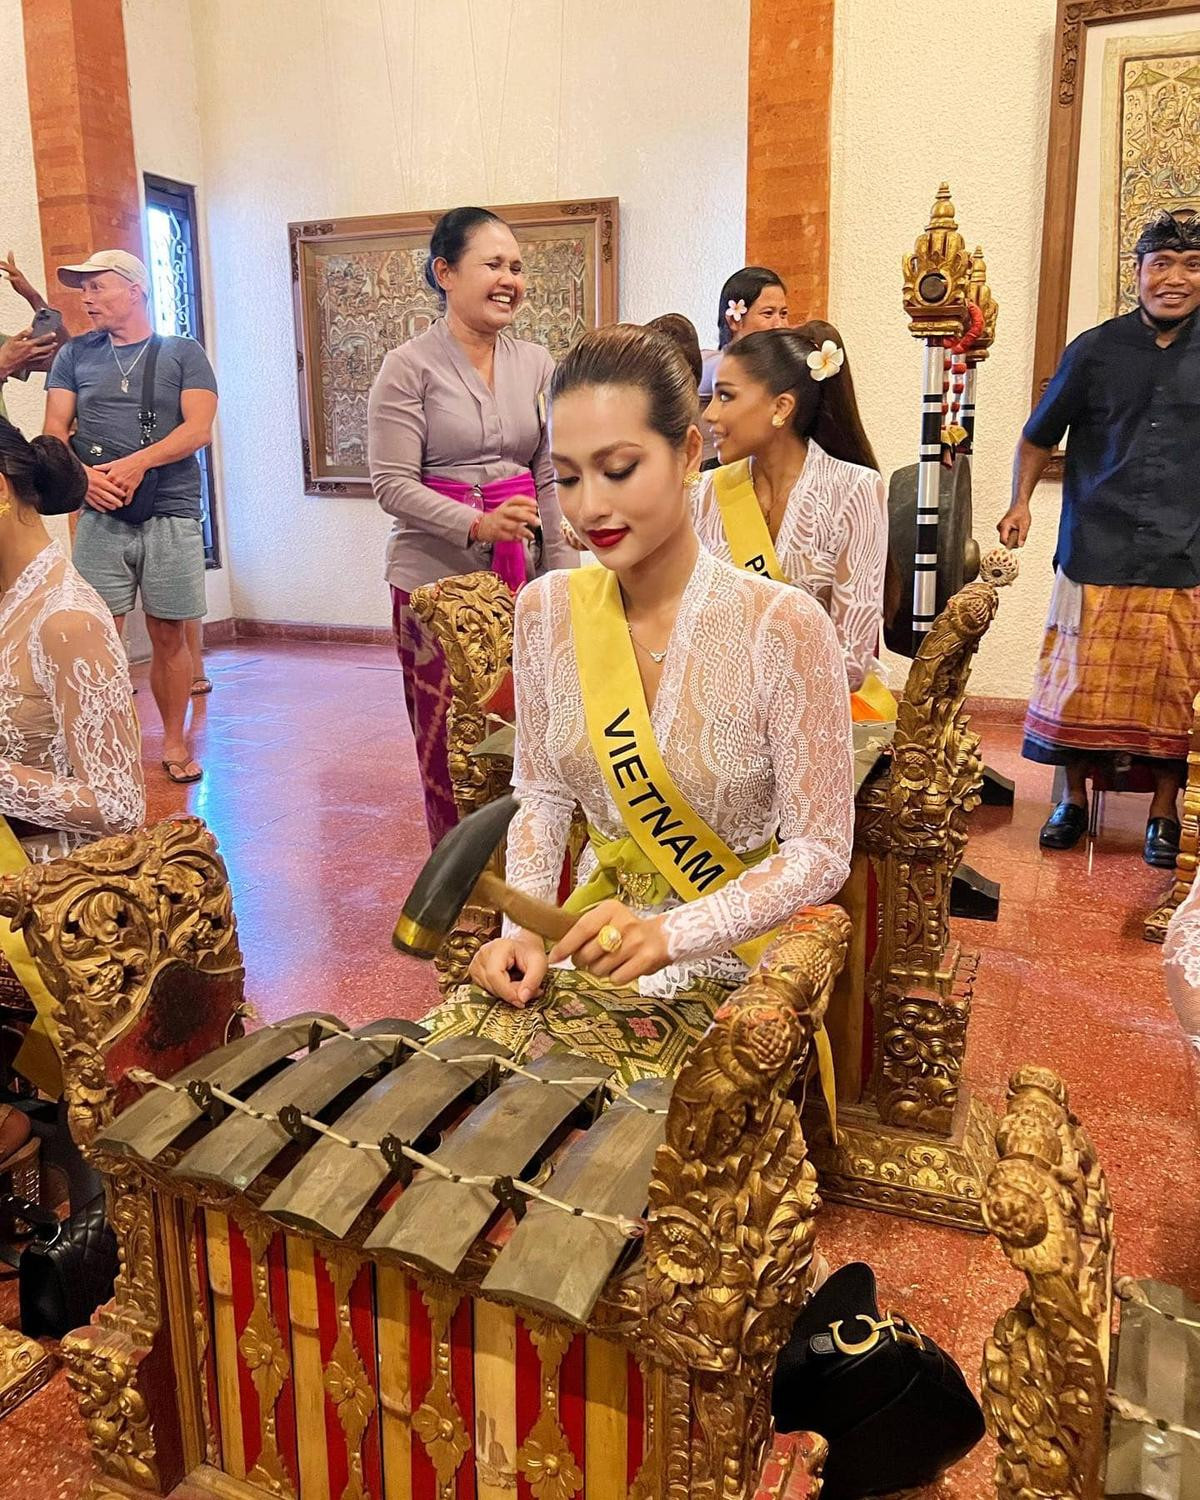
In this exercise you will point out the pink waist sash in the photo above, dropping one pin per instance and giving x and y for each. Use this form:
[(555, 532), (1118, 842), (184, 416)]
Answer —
[(508, 558)]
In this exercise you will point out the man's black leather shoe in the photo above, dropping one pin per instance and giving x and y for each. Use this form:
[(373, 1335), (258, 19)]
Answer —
[(1162, 843), (1065, 826)]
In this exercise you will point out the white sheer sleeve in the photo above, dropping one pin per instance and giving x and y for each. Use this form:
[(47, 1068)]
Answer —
[(1181, 956), (537, 836), (811, 747), (97, 786), (856, 605)]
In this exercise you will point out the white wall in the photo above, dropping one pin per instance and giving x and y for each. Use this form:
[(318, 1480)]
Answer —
[(166, 137), (329, 108), (892, 144)]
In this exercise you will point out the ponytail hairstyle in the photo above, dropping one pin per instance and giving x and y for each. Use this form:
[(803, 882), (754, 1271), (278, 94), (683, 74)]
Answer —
[(451, 236), (44, 474), (746, 285), (681, 331), (626, 354), (826, 410)]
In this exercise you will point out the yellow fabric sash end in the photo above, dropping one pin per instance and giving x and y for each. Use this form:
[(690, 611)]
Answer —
[(39, 1057), (744, 524), (873, 703), (667, 838)]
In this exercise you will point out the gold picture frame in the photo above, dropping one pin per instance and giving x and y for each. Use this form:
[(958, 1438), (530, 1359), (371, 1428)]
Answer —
[(358, 290), (1076, 21)]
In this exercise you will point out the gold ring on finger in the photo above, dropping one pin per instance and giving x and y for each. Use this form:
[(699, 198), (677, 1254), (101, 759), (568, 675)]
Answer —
[(609, 938)]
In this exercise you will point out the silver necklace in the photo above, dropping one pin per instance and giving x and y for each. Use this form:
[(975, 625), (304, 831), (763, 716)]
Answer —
[(657, 657), (125, 374)]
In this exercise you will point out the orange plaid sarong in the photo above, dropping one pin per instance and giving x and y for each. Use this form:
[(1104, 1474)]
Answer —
[(1124, 683)]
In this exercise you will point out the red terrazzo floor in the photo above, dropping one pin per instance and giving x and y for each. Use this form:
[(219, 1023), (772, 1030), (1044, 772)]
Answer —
[(311, 790)]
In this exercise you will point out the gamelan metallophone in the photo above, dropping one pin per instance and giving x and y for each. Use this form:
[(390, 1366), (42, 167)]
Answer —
[(395, 1268)]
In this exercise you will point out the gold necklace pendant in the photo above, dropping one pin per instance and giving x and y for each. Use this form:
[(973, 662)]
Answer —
[(657, 657)]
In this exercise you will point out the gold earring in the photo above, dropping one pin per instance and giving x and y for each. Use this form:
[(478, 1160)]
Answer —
[(5, 508), (777, 420), (692, 479)]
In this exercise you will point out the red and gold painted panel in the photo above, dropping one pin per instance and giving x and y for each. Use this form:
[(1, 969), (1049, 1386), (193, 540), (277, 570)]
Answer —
[(326, 1377)]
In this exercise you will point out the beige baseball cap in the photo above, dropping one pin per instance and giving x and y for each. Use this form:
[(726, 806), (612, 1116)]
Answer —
[(120, 261)]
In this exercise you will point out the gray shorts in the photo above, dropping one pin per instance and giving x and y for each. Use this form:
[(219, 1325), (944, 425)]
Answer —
[(164, 558)]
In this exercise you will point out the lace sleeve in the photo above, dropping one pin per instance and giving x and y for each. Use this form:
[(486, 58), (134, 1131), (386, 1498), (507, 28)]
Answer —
[(857, 601), (97, 786), (808, 729), (537, 836), (1181, 956)]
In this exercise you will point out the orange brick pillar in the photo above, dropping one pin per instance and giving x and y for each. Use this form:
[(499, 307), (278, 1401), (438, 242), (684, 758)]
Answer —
[(83, 154), (787, 147)]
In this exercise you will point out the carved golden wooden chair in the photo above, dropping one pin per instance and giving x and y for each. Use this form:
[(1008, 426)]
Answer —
[(115, 928), (912, 1138), (1155, 930), (253, 1350), (1045, 1367)]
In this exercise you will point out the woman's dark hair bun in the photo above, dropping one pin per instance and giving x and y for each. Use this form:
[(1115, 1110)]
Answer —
[(451, 235), (59, 480), (44, 473)]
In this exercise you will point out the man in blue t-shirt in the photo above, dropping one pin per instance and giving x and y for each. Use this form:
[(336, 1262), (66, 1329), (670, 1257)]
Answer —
[(96, 386)]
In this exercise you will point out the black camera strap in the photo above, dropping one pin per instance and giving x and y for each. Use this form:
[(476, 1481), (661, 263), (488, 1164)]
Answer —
[(147, 416)]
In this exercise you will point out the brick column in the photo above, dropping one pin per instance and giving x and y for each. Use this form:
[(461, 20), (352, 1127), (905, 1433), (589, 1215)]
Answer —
[(87, 179), (787, 147)]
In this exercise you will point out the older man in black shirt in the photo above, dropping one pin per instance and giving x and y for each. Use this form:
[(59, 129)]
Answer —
[(1120, 664)]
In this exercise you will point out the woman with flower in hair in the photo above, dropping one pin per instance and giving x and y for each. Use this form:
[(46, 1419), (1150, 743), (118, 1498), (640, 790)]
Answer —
[(753, 300), (798, 496)]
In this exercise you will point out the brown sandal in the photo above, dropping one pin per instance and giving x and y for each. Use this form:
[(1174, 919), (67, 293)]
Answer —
[(200, 686), (177, 771)]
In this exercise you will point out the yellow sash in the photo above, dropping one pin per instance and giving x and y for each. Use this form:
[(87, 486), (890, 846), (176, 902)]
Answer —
[(744, 524), (752, 550), (38, 1059), (676, 842)]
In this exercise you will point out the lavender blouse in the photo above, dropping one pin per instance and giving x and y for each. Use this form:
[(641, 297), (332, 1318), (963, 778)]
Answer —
[(431, 412)]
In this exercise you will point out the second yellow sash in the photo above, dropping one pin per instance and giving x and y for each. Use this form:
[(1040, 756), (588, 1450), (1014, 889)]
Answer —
[(744, 524)]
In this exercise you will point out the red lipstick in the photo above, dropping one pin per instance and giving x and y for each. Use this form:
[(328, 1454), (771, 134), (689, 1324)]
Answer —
[(608, 538)]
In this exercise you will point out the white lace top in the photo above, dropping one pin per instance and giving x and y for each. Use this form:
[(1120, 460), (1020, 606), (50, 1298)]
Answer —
[(752, 719), (1181, 955), (832, 542), (70, 748)]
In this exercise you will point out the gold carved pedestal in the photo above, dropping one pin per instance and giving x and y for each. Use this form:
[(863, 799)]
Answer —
[(912, 1139), (24, 1367)]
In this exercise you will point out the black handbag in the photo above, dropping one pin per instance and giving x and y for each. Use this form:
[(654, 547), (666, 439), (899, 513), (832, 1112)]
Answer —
[(67, 1270), (95, 451), (893, 1407)]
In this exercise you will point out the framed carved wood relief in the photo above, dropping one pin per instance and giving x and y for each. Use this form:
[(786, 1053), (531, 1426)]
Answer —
[(358, 290), (1124, 143)]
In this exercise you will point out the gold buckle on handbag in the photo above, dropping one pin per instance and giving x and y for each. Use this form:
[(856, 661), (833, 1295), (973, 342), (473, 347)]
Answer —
[(900, 1329)]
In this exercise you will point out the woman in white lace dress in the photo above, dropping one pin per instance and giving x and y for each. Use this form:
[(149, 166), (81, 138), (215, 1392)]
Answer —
[(1181, 954), (738, 686), (70, 750), (801, 480)]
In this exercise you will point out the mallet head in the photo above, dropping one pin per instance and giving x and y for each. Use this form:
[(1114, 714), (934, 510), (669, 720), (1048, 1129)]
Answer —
[(445, 883)]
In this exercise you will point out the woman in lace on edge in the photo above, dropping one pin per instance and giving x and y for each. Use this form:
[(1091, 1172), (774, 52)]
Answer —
[(1181, 954), (70, 749), (746, 691), (790, 409)]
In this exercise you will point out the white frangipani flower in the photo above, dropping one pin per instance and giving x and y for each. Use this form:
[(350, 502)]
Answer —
[(826, 361)]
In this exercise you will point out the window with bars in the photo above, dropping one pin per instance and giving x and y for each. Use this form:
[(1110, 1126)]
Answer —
[(174, 263)]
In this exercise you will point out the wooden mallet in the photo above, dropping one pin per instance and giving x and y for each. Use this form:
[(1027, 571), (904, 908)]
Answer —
[(456, 873)]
